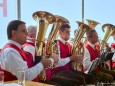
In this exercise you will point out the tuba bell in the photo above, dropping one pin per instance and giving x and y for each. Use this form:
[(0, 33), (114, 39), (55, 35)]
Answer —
[(83, 28), (92, 24)]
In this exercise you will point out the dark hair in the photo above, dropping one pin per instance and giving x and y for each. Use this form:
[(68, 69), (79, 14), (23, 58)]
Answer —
[(89, 33), (13, 25), (64, 26)]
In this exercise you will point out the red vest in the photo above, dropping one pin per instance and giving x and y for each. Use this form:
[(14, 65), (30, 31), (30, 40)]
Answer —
[(113, 63), (64, 52), (93, 53), (26, 57), (113, 45)]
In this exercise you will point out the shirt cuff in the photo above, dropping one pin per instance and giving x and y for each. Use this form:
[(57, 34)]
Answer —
[(67, 59)]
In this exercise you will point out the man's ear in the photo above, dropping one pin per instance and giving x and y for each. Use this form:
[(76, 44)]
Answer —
[(13, 33)]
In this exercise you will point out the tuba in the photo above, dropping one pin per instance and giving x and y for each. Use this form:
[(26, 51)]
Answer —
[(104, 46), (54, 32), (83, 28), (44, 19), (109, 31)]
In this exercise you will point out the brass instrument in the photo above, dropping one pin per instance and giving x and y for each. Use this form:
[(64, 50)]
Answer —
[(82, 29), (44, 19), (104, 46), (109, 31), (92, 24), (53, 34)]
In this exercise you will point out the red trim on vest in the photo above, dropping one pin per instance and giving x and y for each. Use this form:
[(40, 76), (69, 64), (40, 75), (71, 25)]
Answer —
[(7, 75), (28, 43)]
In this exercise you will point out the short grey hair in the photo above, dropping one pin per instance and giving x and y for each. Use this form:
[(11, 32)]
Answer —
[(30, 28)]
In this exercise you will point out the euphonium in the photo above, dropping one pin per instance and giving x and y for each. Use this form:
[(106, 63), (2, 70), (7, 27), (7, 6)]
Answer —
[(52, 36), (82, 30), (44, 19)]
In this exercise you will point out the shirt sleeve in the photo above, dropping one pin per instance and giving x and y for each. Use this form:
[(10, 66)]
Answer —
[(13, 60), (86, 61), (62, 61)]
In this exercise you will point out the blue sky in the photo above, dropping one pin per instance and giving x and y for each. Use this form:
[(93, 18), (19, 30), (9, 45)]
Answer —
[(98, 10)]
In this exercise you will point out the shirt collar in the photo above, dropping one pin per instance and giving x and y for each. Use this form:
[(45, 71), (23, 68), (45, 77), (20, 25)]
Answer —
[(62, 40), (92, 45), (30, 41), (15, 43)]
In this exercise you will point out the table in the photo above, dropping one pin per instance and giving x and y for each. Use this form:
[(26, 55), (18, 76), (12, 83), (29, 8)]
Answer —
[(30, 83)]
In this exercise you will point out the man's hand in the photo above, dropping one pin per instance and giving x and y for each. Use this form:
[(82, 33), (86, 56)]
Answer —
[(55, 57), (46, 62), (76, 57)]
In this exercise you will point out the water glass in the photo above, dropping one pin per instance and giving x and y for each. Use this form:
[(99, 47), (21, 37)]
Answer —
[(21, 77)]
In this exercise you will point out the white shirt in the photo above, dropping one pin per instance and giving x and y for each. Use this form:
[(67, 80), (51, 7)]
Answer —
[(62, 61), (87, 59), (12, 61), (113, 58)]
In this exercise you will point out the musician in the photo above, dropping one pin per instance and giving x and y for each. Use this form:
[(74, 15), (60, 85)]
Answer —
[(113, 50), (29, 46), (13, 57), (62, 73), (91, 53)]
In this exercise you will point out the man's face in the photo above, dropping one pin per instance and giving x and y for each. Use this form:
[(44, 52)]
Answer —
[(21, 34), (94, 38), (32, 33), (65, 34)]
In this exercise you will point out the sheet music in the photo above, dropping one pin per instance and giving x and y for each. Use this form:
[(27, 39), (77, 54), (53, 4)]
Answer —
[(93, 65)]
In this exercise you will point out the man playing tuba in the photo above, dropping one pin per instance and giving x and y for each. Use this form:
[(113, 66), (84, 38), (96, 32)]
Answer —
[(91, 53)]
